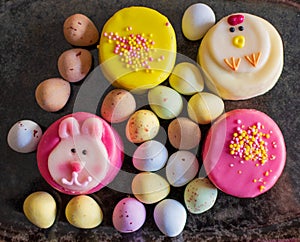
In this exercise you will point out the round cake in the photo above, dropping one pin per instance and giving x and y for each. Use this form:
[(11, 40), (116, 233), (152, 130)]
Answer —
[(79, 154), (244, 153), (242, 56), (137, 48)]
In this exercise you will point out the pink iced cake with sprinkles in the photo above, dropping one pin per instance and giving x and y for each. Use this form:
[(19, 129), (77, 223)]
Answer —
[(244, 153)]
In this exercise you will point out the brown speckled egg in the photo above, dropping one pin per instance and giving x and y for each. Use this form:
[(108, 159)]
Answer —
[(79, 30), (53, 94), (184, 134), (74, 64), (117, 106), (143, 125)]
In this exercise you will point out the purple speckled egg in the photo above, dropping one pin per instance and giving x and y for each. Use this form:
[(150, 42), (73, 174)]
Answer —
[(129, 215)]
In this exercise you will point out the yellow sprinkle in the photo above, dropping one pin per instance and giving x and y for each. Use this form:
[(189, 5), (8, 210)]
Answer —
[(266, 173), (235, 134), (256, 164), (267, 136), (261, 188), (254, 180)]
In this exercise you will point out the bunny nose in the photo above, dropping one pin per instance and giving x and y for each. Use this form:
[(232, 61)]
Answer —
[(75, 166), (238, 41)]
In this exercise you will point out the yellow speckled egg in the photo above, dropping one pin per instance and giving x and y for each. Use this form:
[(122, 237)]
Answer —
[(150, 187), (83, 212), (53, 94), (186, 79), (200, 195), (117, 106), (40, 209), (79, 30), (74, 64), (165, 102), (143, 125), (205, 107)]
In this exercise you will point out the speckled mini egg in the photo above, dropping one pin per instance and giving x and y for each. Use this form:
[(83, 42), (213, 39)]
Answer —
[(53, 94), (200, 195), (197, 20), (24, 136), (165, 102), (205, 107), (117, 106), (182, 167), (186, 79), (74, 64), (184, 134), (79, 30), (40, 209), (149, 187), (83, 212), (150, 156), (170, 217), (129, 215), (142, 125)]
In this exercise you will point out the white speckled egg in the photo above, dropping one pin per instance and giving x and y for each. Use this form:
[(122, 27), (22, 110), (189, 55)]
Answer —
[(117, 106), (24, 136), (129, 215), (40, 209), (182, 167), (143, 125), (197, 20), (74, 64), (205, 107), (183, 133), (186, 79), (149, 187), (150, 156), (83, 212), (200, 195), (170, 217), (165, 102)]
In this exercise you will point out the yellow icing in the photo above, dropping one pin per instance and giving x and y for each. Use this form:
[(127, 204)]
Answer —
[(261, 59), (134, 24)]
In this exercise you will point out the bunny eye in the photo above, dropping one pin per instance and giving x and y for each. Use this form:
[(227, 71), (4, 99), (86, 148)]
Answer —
[(84, 152), (241, 28), (232, 29), (73, 150)]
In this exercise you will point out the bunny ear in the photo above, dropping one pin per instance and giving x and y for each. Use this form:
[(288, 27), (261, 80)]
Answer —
[(69, 127), (93, 127)]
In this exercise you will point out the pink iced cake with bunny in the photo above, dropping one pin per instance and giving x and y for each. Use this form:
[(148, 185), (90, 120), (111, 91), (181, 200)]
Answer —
[(79, 154), (244, 153)]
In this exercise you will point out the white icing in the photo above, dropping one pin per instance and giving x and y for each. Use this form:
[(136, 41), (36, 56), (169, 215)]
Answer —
[(74, 180), (255, 37)]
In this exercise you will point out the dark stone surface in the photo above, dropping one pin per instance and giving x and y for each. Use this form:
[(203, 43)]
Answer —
[(31, 40)]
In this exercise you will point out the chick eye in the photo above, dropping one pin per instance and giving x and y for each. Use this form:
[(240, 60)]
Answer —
[(84, 152), (73, 150), (241, 28), (232, 29)]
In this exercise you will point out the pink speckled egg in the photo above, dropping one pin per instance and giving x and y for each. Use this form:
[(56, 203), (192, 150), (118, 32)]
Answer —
[(129, 215)]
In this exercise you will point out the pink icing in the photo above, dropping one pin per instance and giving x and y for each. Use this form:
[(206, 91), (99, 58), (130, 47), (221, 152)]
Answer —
[(235, 19), (232, 173), (76, 177)]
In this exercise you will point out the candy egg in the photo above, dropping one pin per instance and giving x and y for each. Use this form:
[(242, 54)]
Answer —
[(186, 79), (150, 156), (170, 217), (74, 64), (205, 107), (79, 30), (129, 215), (24, 136), (165, 102), (149, 187), (143, 125), (53, 94), (40, 209), (183, 133), (117, 106), (182, 167), (197, 20), (83, 212), (200, 195)]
